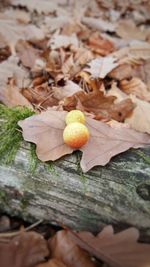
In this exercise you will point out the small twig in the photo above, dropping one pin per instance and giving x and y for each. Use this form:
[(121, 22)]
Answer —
[(12, 234)]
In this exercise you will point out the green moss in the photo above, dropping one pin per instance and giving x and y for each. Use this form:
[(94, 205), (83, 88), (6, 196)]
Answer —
[(3, 198), (33, 159), (10, 132), (146, 158)]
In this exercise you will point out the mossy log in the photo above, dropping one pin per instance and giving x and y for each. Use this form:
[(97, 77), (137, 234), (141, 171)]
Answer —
[(117, 194)]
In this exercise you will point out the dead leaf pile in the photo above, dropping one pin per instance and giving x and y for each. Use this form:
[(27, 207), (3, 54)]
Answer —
[(65, 55), (70, 249)]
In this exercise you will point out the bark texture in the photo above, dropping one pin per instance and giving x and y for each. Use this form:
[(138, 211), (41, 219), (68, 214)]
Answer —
[(117, 194)]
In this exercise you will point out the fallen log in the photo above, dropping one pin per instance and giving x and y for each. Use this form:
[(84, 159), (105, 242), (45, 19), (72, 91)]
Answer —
[(117, 194)]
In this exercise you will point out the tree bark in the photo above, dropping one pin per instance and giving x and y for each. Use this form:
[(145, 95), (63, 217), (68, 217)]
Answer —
[(117, 194)]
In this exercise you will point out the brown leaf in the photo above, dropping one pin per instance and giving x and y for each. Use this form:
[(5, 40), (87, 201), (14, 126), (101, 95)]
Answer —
[(27, 54), (68, 90), (24, 250), (10, 69), (102, 106), (52, 263), (100, 45), (140, 119), (121, 72), (46, 131), (118, 250), (136, 87), (64, 249), (11, 96), (100, 67), (106, 142), (13, 31), (142, 72), (128, 30), (40, 96)]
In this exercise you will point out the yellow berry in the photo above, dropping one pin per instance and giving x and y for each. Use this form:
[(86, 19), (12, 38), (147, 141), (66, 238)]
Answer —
[(75, 135), (75, 116)]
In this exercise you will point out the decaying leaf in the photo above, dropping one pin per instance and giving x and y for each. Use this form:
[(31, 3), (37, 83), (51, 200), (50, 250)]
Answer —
[(117, 250), (136, 87), (65, 250), (100, 67), (99, 45), (123, 71), (46, 131), (24, 250)]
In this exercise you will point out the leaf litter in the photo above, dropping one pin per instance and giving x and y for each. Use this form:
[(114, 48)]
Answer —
[(89, 55)]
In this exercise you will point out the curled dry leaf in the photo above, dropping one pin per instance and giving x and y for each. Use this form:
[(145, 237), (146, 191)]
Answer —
[(100, 67), (65, 250), (46, 131), (117, 250), (142, 72), (24, 250), (136, 87)]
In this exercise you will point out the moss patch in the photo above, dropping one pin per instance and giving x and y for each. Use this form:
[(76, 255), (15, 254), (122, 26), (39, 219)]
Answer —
[(10, 132)]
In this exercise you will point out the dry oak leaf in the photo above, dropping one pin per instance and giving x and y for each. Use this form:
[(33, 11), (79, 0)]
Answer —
[(25, 250), (67, 252), (136, 87), (67, 90), (100, 67), (140, 118), (117, 250), (100, 45), (13, 31), (106, 142), (46, 131), (99, 104)]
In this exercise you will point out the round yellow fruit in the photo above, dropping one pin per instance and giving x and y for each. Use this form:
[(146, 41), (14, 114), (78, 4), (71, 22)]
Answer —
[(75, 116), (75, 135)]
